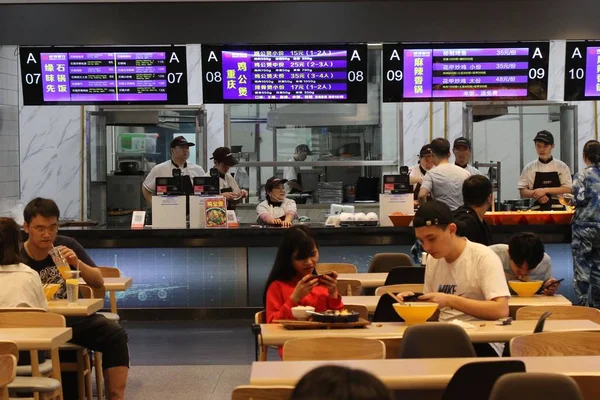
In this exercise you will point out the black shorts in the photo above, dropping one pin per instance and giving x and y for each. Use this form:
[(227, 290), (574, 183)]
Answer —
[(100, 334)]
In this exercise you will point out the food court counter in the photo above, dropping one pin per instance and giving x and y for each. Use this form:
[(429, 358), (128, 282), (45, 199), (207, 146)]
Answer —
[(216, 268)]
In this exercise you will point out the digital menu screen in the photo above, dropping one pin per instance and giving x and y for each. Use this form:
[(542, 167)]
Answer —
[(466, 71), (285, 74), (582, 71), (108, 75)]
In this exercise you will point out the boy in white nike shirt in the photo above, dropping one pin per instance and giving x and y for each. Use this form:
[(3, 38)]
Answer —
[(465, 278)]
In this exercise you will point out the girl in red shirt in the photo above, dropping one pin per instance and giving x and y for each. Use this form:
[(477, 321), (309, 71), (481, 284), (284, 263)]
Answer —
[(293, 281)]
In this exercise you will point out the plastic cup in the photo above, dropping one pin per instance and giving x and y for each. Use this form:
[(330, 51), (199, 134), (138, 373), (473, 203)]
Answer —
[(72, 283)]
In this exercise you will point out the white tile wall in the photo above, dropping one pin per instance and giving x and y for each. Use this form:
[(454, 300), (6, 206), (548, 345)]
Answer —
[(9, 130)]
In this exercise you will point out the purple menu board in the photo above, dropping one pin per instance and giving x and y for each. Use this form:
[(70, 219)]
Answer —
[(113, 75), (284, 74), (465, 72), (582, 71)]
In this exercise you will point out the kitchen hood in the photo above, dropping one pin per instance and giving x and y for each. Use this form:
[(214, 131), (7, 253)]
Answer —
[(332, 114)]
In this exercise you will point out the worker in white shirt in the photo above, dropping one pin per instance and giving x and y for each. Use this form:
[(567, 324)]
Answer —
[(292, 174), (176, 166), (224, 160), (276, 209), (463, 150), (545, 178)]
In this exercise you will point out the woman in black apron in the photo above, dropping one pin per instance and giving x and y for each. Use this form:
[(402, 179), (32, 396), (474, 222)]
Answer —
[(228, 187)]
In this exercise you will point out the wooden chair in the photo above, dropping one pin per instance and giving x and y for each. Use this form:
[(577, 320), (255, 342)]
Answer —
[(349, 287), (260, 318), (42, 387), (385, 262), (535, 386), (559, 312), (82, 366), (556, 344), (108, 272), (316, 349), (402, 275), (361, 309), (405, 287), (86, 292), (340, 268), (8, 368), (248, 392)]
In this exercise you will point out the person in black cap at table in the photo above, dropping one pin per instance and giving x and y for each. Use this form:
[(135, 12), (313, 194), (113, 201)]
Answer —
[(292, 174), (462, 150), (229, 188), (176, 166), (276, 209), (546, 177), (417, 172), (478, 198)]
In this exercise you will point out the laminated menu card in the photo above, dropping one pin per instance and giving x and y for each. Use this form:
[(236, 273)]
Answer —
[(215, 209)]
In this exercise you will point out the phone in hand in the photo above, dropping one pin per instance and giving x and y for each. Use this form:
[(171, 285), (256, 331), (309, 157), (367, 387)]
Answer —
[(555, 283), (413, 298), (329, 274)]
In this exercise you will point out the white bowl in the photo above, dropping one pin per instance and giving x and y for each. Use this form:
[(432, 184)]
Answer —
[(346, 217), (300, 314), (360, 217), (372, 217)]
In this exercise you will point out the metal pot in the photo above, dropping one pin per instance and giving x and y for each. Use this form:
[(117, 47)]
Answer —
[(129, 167), (515, 205)]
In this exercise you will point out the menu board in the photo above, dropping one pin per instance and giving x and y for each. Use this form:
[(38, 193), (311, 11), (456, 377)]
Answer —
[(108, 75), (284, 74), (582, 71), (465, 71)]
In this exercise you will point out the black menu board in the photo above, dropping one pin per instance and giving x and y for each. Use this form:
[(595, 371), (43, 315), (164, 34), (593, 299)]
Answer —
[(465, 71), (582, 71), (285, 73), (104, 75)]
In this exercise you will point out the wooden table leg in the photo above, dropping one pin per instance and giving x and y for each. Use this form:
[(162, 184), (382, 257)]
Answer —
[(35, 368), (56, 371), (113, 302)]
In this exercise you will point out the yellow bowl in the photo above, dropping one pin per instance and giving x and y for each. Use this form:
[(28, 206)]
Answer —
[(414, 313), (50, 290), (525, 289)]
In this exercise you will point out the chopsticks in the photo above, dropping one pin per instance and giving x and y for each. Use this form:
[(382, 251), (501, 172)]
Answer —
[(398, 299)]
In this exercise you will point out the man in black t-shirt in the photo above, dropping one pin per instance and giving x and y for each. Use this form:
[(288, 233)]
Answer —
[(477, 195), (94, 332)]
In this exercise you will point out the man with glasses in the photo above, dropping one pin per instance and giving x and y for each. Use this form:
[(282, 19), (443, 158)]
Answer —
[(94, 332)]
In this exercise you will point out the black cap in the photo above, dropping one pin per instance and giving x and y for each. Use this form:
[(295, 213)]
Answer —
[(462, 141), (544, 136), (181, 141), (303, 148), (433, 213), (223, 155), (272, 181), (425, 151)]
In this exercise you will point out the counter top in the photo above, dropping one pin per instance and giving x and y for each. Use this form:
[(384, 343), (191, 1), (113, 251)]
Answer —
[(246, 236)]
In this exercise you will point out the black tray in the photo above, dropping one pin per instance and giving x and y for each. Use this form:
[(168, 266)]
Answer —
[(352, 317)]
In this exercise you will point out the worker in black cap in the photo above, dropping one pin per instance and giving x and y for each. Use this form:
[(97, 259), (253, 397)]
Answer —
[(224, 160), (545, 178), (292, 174), (464, 278), (417, 172), (463, 150), (176, 166)]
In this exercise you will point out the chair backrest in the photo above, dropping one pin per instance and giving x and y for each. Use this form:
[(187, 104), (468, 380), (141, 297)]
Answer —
[(385, 262), (9, 348), (475, 380), (21, 309), (535, 386), (405, 287), (349, 287), (86, 292), (405, 275), (8, 370), (26, 319), (340, 268), (436, 341), (560, 312), (262, 392), (315, 349), (361, 309), (110, 272), (556, 344), (385, 312), (260, 317)]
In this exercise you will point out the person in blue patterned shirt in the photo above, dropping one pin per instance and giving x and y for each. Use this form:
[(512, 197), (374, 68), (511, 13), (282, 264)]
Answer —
[(586, 228)]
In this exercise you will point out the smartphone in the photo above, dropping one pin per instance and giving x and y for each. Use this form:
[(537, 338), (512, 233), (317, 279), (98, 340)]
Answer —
[(550, 285), (329, 274), (413, 298)]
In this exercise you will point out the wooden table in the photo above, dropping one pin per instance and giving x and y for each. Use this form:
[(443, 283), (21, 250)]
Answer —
[(486, 331), (112, 285), (39, 339), (373, 280), (416, 374), (83, 308), (514, 302)]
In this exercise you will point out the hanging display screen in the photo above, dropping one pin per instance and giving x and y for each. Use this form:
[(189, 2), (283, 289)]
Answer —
[(285, 74), (108, 75), (466, 71), (582, 71)]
